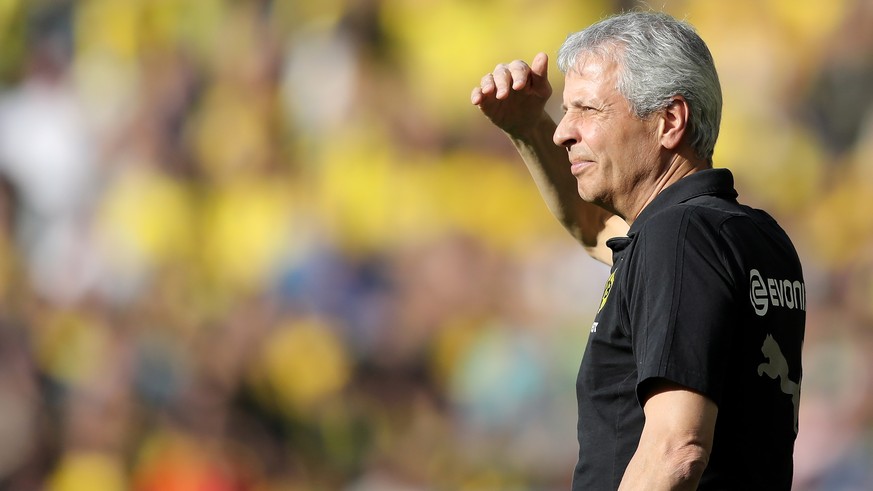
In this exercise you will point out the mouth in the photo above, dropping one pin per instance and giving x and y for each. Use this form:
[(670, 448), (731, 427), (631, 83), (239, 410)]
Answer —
[(578, 166)]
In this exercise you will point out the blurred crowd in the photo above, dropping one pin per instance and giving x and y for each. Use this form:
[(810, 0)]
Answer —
[(270, 246)]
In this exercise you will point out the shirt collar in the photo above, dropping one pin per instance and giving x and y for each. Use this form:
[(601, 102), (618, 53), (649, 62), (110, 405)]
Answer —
[(704, 182)]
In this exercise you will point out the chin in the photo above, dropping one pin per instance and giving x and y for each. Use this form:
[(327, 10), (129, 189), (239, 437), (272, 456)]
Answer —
[(587, 194), (597, 199)]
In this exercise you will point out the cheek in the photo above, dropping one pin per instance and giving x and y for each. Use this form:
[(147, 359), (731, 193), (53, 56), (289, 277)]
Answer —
[(640, 152), (598, 138), (640, 143)]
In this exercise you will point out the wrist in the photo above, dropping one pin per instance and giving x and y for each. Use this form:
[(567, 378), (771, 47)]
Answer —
[(543, 128)]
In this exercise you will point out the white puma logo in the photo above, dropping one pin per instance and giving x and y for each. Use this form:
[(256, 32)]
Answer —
[(777, 367)]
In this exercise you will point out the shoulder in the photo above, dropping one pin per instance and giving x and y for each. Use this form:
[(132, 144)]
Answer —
[(690, 219), (694, 234)]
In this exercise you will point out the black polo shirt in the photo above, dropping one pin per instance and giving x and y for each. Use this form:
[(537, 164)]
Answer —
[(709, 294)]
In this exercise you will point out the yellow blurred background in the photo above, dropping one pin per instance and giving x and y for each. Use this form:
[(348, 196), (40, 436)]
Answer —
[(270, 245)]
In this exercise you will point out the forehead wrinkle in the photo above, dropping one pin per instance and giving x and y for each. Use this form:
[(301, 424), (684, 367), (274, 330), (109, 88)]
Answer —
[(591, 78)]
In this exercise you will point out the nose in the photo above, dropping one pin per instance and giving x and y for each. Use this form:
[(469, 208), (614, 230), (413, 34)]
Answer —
[(564, 136)]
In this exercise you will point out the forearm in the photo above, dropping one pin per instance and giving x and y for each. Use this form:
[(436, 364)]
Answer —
[(668, 470), (550, 169)]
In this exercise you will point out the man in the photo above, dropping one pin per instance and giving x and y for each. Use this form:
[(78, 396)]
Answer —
[(690, 379)]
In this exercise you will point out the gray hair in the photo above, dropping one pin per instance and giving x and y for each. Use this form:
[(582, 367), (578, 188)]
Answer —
[(659, 57)]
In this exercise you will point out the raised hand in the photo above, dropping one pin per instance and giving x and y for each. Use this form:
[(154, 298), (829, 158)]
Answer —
[(514, 95)]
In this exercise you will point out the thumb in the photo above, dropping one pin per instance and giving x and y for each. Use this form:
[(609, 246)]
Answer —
[(540, 65)]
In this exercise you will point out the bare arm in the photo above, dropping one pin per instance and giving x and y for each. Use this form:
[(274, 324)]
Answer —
[(676, 441), (547, 163), (513, 97)]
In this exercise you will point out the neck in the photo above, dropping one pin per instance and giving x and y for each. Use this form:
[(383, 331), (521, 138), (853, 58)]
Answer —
[(678, 167)]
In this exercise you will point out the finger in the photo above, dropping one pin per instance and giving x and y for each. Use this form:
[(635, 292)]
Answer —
[(520, 72), (476, 97), (487, 84), (540, 65), (502, 81)]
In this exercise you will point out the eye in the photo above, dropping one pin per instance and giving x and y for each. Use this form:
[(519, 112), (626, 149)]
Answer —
[(580, 109)]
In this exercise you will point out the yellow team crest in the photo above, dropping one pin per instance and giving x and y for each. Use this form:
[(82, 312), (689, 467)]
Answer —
[(606, 291)]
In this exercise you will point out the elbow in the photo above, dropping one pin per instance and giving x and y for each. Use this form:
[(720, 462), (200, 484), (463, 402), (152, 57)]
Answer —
[(602, 254), (687, 464), (589, 242)]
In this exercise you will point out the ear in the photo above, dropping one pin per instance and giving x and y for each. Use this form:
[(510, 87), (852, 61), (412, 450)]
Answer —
[(674, 123)]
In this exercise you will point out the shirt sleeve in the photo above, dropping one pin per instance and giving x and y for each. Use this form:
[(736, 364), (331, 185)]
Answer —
[(682, 312)]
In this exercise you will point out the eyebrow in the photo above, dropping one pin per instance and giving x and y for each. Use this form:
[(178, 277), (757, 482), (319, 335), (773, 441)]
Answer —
[(594, 103)]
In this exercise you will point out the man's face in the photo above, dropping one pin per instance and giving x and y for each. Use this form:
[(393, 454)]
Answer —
[(611, 151)]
